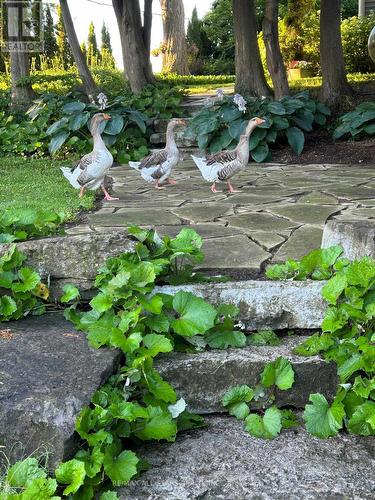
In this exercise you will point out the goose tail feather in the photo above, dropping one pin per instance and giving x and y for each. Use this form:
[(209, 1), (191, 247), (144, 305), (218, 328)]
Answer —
[(72, 176), (209, 172)]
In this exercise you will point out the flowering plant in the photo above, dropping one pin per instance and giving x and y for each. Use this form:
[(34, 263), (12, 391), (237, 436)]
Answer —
[(301, 65)]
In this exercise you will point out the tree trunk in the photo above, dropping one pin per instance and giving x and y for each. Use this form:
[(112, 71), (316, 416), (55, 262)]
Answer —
[(88, 82), (137, 65), (174, 40), (147, 24), (250, 79), (274, 58), (21, 95), (335, 84)]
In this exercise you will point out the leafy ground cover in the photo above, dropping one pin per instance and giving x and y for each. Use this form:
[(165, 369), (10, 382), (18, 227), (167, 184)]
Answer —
[(38, 184)]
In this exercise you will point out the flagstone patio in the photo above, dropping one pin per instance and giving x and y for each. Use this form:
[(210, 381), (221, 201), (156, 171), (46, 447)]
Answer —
[(279, 211)]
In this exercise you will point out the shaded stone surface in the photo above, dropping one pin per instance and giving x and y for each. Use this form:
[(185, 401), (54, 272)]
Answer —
[(356, 237), (316, 197), (301, 242), (202, 379), (267, 239), (135, 216), (196, 213), (223, 462), (256, 221), (265, 304), (47, 374), (305, 213)]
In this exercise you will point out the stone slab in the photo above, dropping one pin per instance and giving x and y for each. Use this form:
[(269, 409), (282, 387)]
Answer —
[(47, 374), (223, 462), (301, 242), (356, 237), (202, 379), (267, 239), (197, 212), (257, 221), (266, 304), (304, 213), (135, 216)]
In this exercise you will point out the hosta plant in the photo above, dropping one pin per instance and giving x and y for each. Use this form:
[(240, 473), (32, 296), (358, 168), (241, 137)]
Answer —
[(219, 125), (357, 123)]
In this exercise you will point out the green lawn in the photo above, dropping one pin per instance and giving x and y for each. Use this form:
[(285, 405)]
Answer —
[(39, 184)]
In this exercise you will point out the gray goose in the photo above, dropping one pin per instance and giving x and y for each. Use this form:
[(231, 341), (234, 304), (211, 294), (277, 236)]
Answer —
[(157, 167), (93, 167), (224, 165)]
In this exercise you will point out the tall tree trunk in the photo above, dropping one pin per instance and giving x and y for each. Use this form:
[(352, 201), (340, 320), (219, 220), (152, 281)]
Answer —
[(147, 24), (137, 65), (174, 40), (335, 84), (21, 95), (274, 58), (88, 82), (250, 79)]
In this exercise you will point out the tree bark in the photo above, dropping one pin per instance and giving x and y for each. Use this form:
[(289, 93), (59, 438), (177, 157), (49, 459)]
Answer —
[(21, 95), (335, 84), (274, 58), (137, 65), (250, 79), (174, 40), (147, 24), (88, 82)]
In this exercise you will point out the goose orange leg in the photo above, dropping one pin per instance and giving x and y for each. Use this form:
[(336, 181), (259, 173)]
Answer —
[(171, 181), (231, 188), (213, 188), (81, 191), (107, 196)]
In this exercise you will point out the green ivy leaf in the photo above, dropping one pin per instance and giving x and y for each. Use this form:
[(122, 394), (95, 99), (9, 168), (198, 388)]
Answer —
[(159, 426), (288, 419), (109, 495), (101, 302), (263, 337), (42, 488), (334, 288), (238, 394), (120, 468), (362, 422), (22, 473), (29, 280), (196, 315), (222, 339), (314, 344), (279, 373), (7, 306), (266, 427), (71, 473), (321, 419), (156, 343), (70, 293), (239, 410)]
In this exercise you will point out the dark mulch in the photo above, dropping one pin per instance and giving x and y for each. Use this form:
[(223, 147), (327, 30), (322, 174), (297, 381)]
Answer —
[(321, 148)]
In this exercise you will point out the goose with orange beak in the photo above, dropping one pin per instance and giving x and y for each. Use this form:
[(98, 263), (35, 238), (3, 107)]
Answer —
[(93, 167), (224, 165)]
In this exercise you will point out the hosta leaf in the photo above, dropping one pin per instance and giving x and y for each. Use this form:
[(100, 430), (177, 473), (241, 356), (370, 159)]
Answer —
[(296, 139), (73, 107), (121, 468), (139, 119), (321, 419), (114, 125), (236, 128), (279, 373), (57, 126), (238, 394), (195, 314), (57, 141), (261, 152), (77, 121), (71, 473), (266, 427), (276, 108)]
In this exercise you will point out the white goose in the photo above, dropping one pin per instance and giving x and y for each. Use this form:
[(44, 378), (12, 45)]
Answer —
[(157, 167), (93, 167), (223, 165)]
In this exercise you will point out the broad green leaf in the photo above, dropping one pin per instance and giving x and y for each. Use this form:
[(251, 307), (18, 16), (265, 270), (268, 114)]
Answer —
[(7, 306), (24, 472), (114, 125), (142, 275), (70, 293), (187, 241), (296, 139), (288, 419), (121, 468), (195, 314), (321, 419), (334, 288), (314, 344), (261, 152), (57, 141), (160, 388), (101, 302), (160, 426), (263, 337), (351, 365), (29, 280), (363, 386), (71, 473), (222, 339), (92, 459), (362, 422), (266, 427), (109, 495), (239, 410), (73, 107), (42, 488), (279, 373), (276, 108), (78, 120), (55, 127), (238, 394), (156, 343)]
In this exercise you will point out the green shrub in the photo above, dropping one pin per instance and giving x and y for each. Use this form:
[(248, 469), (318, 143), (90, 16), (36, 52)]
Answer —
[(357, 123), (219, 125), (355, 32)]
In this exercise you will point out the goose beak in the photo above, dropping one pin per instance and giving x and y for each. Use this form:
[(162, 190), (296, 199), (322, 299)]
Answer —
[(259, 121), (107, 117)]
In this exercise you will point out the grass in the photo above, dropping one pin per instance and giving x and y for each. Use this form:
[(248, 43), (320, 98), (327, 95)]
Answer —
[(39, 184)]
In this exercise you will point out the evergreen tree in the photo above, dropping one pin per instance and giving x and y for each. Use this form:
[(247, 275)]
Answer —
[(50, 44), (105, 39), (63, 48), (84, 49), (92, 47), (194, 30)]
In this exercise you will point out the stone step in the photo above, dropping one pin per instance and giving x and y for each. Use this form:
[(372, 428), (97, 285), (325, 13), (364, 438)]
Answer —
[(202, 379), (47, 374), (265, 304), (223, 462), (159, 138), (161, 124)]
